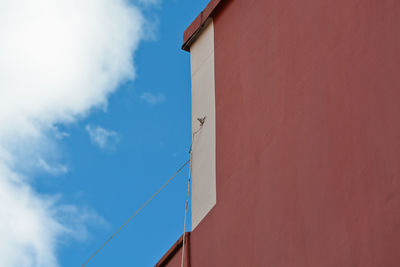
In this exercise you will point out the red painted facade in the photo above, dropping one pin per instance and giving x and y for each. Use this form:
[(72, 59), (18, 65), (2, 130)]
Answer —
[(307, 135)]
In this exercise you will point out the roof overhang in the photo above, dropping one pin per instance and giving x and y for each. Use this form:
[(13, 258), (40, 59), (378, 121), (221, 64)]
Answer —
[(194, 30)]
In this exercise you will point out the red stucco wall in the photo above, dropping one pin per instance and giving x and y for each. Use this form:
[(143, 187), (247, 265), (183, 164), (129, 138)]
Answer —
[(308, 135)]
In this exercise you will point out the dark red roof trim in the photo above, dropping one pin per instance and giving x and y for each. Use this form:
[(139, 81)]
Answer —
[(173, 250), (191, 33)]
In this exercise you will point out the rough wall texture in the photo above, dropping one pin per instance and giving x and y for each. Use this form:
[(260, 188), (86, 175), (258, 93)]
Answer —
[(307, 135)]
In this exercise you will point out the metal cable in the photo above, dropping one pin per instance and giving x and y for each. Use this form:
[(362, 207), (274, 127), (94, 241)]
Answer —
[(202, 121), (186, 208), (155, 194)]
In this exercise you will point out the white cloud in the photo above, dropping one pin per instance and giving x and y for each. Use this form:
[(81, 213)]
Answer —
[(59, 60), (58, 133), (54, 169), (102, 137), (152, 99)]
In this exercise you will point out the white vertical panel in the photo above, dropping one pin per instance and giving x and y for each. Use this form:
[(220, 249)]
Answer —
[(203, 104)]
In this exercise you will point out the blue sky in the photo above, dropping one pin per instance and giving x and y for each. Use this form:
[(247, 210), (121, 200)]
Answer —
[(107, 160), (154, 142)]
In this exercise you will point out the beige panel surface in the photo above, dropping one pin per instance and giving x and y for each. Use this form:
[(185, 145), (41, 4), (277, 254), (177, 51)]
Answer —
[(203, 104)]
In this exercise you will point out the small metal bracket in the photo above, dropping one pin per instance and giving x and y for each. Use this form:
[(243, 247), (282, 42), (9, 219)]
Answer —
[(202, 120)]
